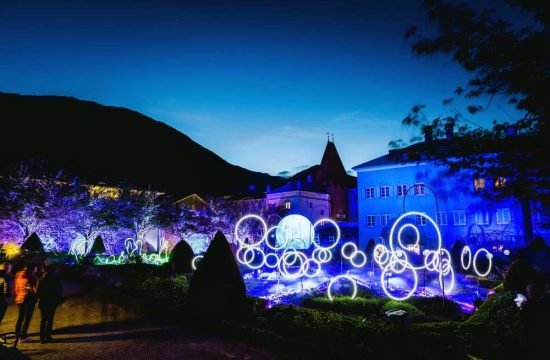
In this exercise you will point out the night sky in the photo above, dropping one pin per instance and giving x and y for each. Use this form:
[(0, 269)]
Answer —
[(258, 82)]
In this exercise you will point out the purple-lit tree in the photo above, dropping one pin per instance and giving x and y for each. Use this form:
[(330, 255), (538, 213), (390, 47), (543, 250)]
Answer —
[(138, 211), (88, 213), (28, 203)]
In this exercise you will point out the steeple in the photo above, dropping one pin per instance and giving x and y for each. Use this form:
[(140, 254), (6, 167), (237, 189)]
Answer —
[(331, 170)]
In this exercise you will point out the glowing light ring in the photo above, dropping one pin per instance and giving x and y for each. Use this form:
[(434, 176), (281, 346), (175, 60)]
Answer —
[(399, 257), (246, 217), (399, 219), (363, 261), (353, 255), (261, 264), (449, 288), (283, 263), (317, 272), (466, 249), (343, 250), (381, 255), (321, 255), (194, 262), (431, 260), (386, 291), (271, 266), (489, 257), (276, 240), (243, 261), (406, 226), (338, 234), (337, 278)]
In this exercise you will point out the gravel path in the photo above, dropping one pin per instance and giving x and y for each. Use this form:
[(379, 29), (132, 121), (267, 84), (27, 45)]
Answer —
[(88, 329)]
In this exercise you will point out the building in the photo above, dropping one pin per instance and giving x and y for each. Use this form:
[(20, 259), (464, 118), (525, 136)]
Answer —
[(324, 190), (388, 187)]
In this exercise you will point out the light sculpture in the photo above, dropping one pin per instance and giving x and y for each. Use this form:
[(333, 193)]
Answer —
[(338, 278), (194, 262), (246, 217), (466, 250), (338, 234), (489, 258), (353, 255)]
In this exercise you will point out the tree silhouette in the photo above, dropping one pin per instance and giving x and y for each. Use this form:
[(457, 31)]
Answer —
[(217, 289), (504, 61)]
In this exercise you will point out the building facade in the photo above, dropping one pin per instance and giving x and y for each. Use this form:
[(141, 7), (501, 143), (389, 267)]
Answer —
[(455, 201)]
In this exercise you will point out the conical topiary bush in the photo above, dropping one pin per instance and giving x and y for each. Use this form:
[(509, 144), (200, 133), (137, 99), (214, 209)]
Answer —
[(181, 257), (217, 288), (33, 245), (98, 247)]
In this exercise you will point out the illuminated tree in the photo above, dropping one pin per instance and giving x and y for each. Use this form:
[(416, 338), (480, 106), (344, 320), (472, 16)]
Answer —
[(29, 203), (138, 211), (506, 61)]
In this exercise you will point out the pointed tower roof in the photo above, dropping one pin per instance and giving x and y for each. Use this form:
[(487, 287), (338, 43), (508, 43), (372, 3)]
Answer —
[(331, 169)]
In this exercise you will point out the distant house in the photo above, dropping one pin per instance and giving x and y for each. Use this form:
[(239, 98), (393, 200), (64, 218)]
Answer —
[(193, 201), (455, 200), (322, 191)]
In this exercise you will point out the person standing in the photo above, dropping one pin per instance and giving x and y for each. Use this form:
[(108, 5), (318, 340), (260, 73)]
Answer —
[(49, 292), (3, 292), (24, 293)]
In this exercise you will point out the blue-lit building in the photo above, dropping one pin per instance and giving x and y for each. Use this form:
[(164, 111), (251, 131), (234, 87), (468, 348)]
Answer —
[(389, 186)]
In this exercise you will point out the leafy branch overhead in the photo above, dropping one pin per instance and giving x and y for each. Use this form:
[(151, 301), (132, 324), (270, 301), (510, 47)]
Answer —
[(505, 61)]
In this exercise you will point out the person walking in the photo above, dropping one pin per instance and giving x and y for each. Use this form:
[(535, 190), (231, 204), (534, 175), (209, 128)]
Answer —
[(49, 292), (3, 292), (24, 293)]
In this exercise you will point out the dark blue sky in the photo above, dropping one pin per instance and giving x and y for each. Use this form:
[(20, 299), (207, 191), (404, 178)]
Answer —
[(259, 82)]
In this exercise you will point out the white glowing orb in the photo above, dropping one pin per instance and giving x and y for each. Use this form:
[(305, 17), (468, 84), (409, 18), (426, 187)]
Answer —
[(294, 232)]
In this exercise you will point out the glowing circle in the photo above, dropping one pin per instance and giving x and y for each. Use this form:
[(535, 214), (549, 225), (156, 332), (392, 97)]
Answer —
[(359, 254), (260, 251), (321, 255), (271, 265), (489, 257), (194, 262), (294, 231), (399, 232), (337, 278), (390, 295), (318, 268), (338, 234), (406, 226), (284, 262), (466, 250), (246, 217)]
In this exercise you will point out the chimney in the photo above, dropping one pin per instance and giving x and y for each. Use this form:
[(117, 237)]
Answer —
[(511, 130), (449, 130), (309, 179), (251, 187), (428, 133), (268, 188)]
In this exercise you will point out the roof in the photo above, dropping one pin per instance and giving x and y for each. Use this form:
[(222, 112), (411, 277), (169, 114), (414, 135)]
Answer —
[(331, 170), (299, 186)]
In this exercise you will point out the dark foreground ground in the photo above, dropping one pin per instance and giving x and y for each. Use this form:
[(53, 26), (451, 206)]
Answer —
[(88, 329)]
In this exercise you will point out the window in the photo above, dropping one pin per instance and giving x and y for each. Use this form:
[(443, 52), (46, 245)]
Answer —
[(401, 190), (419, 189), (500, 182), (310, 205), (442, 218), (503, 216), (287, 205), (371, 220), (322, 212), (479, 183), (459, 217), (369, 193), (385, 219), (421, 220), (481, 218), (384, 191)]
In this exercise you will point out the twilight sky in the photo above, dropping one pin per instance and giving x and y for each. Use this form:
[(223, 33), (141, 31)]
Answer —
[(259, 82)]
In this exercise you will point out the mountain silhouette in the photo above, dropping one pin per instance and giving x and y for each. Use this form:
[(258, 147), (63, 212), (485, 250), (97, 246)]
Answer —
[(105, 144)]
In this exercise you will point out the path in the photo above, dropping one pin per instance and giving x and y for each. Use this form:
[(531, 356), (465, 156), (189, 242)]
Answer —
[(87, 329)]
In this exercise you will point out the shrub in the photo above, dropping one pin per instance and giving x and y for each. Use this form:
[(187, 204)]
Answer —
[(347, 306), (519, 275), (436, 307)]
